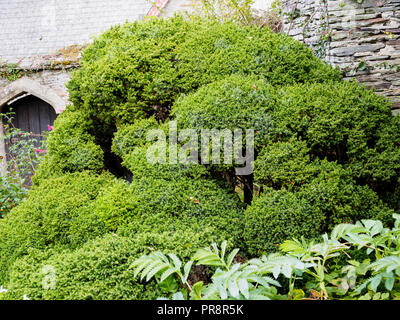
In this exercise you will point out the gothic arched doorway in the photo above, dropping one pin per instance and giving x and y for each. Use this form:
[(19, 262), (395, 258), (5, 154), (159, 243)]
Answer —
[(31, 114), (25, 96)]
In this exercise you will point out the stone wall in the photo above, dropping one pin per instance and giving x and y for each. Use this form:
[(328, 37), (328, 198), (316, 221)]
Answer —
[(51, 71), (363, 39), (183, 6), (43, 39), (38, 27)]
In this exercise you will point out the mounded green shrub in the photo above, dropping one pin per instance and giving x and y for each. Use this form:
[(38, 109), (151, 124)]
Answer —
[(128, 70), (99, 270), (378, 164), (212, 51), (44, 219), (128, 137), (72, 209), (330, 116), (284, 164), (140, 68), (327, 152), (329, 196), (180, 192), (344, 122), (339, 120), (232, 103), (278, 215), (159, 205), (202, 201), (71, 147), (334, 192), (142, 156)]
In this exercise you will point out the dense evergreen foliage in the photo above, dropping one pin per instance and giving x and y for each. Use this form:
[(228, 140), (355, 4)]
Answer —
[(326, 152)]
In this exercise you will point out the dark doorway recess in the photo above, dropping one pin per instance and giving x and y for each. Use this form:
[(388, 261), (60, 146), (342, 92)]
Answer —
[(31, 114)]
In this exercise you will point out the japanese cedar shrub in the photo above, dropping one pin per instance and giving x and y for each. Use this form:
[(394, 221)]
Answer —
[(314, 144), (99, 270), (326, 151), (139, 69)]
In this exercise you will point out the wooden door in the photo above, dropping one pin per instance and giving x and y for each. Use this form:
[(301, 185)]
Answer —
[(31, 114)]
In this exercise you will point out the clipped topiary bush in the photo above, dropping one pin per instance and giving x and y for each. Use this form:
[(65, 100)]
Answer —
[(295, 127), (378, 164), (211, 51), (71, 147), (278, 215), (335, 192), (159, 205), (44, 219), (337, 120), (99, 270), (182, 192), (128, 137), (139, 69), (346, 123), (129, 72), (284, 164), (326, 152), (327, 192)]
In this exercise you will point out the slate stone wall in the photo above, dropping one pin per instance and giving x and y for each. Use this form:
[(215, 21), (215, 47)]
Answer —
[(363, 39)]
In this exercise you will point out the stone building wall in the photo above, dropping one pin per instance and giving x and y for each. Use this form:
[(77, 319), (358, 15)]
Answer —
[(50, 71), (363, 39), (39, 27), (42, 39), (182, 6)]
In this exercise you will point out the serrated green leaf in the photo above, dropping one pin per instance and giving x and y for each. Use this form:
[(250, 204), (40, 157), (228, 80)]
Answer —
[(244, 287), (167, 273), (375, 281), (186, 270), (196, 292), (389, 283), (149, 267), (140, 266), (231, 256), (223, 249), (176, 260)]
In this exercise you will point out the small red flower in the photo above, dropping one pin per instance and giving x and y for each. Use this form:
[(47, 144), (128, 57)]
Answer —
[(39, 150)]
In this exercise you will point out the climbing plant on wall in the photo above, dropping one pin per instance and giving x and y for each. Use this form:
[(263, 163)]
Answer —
[(23, 154), (243, 12), (10, 71)]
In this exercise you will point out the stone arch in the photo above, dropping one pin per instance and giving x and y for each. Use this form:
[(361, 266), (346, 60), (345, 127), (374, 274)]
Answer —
[(20, 88), (26, 85)]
